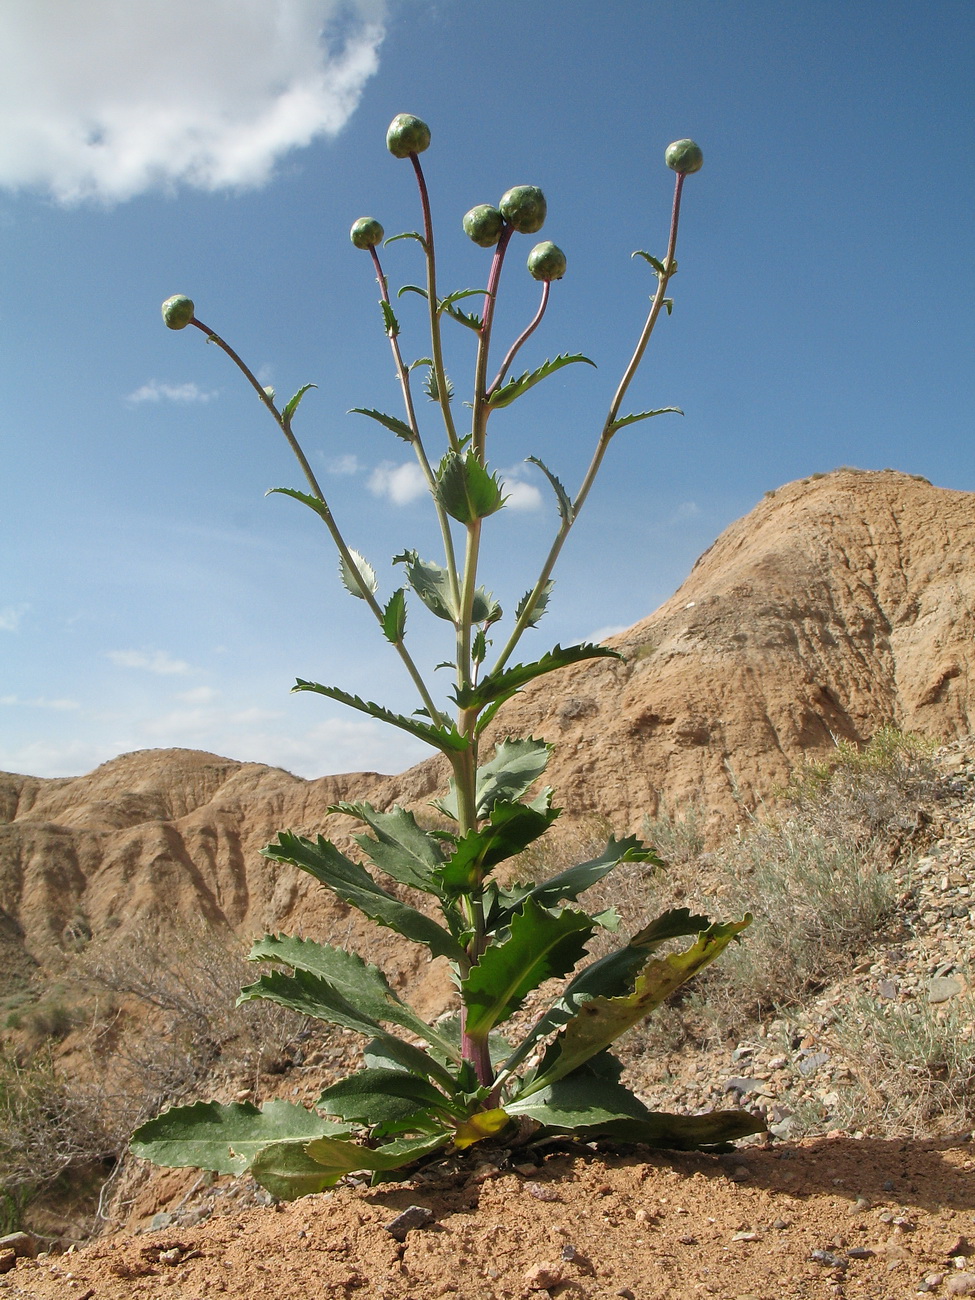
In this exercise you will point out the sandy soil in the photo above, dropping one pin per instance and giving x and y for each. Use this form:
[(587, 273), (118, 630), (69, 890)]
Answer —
[(826, 1217)]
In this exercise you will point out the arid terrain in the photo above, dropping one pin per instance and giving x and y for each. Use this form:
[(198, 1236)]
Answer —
[(839, 606)]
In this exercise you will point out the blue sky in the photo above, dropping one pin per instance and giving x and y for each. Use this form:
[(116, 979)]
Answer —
[(152, 595)]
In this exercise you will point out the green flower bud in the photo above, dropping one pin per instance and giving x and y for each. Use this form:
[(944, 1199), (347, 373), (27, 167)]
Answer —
[(366, 232), (524, 207), (546, 261), (178, 311), (483, 225), (406, 135), (684, 156)]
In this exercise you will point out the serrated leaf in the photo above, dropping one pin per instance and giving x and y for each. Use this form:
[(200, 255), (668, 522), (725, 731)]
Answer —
[(600, 1021), (515, 767), (361, 579), (432, 388), (224, 1138), (655, 262), (431, 582), (576, 880), (401, 848), (394, 617), (354, 885), (539, 605), (484, 608), (566, 508), (470, 319), (466, 489), (541, 945), (447, 740), (406, 234), (389, 318), (451, 298), (313, 503), (514, 388), (399, 427), (643, 415), (292, 406), (479, 647), (382, 1096), (412, 288), (501, 686), (362, 985), (511, 828), (420, 361)]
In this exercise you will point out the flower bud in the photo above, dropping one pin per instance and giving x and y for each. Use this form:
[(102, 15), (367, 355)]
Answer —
[(406, 135), (524, 208), (366, 232), (483, 225), (546, 261), (684, 156), (178, 311)]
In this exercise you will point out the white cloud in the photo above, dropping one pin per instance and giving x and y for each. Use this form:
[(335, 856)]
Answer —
[(104, 101), (604, 633), (154, 391), (401, 484), (198, 695), (39, 702), (346, 465), (159, 661), (522, 496), (11, 616)]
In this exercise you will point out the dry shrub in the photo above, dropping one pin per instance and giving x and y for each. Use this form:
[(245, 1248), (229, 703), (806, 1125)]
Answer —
[(914, 1064)]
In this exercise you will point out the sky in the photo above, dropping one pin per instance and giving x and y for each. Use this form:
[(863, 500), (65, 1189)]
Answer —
[(152, 595)]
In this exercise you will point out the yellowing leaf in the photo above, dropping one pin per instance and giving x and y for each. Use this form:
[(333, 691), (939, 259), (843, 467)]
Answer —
[(486, 1123)]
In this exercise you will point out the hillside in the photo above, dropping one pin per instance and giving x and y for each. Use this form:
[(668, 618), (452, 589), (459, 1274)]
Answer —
[(837, 605)]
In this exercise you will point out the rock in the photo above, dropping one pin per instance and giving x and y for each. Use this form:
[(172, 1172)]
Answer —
[(24, 1244), (943, 987), (8, 1260), (544, 1276), (960, 1284), (414, 1216)]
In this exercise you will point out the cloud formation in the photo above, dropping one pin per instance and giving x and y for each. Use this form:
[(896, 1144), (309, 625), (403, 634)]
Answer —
[(157, 662), (154, 391), (104, 101), (11, 616), (400, 484)]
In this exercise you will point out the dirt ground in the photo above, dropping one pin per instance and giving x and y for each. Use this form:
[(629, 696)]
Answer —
[(826, 1217)]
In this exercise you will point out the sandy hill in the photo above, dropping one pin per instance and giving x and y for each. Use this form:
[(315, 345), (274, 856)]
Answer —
[(837, 605)]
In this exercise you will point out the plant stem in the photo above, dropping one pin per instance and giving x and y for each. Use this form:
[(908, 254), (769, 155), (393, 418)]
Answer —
[(434, 306), (605, 436), (525, 334), (481, 408), (284, 424)]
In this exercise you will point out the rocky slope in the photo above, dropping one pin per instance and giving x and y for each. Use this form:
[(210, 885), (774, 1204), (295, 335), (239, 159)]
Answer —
[(837, 605)]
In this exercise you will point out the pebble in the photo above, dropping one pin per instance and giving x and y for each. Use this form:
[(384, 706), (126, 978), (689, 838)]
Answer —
[(414, 1216), (960, 1284)]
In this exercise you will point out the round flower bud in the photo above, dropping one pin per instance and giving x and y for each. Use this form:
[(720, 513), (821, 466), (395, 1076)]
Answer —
[(483, 225), (406, 135), (546, 262), (366, 232), (178, 311), (684, 156), (524, 208)]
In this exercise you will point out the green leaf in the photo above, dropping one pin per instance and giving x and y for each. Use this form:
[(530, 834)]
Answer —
[(682, 1132), (514, 388), (542, 945), (406, 234), (539, 606), (431, 582), (515, 767), (394, 617), (470, 319), (412, 288), (655, 262), (669, 304), (644, 415), (576, 880), (512, 827), (361, 579), (466, 489), (399, 427), (283, 1169), (566, 508), (501, 686), (447, 740), (389, 318), (451, 298), (292, 406), (484, 608), (432, 389), (354, 885), (348, 1157), (313, 503), (402, 849), (478, 648), (378, 1096), (224, 1138), (420, 361), (363, 986), (601, 1020), (610, 976)]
